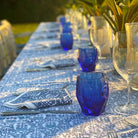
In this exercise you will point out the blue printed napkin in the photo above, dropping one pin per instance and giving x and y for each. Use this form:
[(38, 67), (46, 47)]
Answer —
[(40, 99), (47, 36), (47, 45), (60, 63), (52, 64), (52, 30)]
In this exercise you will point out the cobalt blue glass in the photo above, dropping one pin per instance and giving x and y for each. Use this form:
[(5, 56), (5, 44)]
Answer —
[(62, 20), (67, 28), (66, 41), (92, 92), (87, 58), (68, 24), (89, 22)]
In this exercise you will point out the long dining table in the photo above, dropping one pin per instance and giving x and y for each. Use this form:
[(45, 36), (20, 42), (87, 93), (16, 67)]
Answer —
[(61, 125)]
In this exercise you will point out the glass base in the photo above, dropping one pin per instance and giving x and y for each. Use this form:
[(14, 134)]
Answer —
[(134, 88), (128, 109), (133, 119), (134, 83)]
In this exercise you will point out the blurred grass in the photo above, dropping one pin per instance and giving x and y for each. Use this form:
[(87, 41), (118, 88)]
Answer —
[(21, 28)]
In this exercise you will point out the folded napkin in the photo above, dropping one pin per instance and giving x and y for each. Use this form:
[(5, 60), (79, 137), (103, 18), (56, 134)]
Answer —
[(52, 25), (40, 99), (48, 30), (53, 64), (60, 63), (51, 35), (53, 30), (46, 45), (46, 36)]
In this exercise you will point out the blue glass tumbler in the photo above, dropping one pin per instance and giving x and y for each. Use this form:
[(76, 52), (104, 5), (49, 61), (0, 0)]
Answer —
[(87, 58), (67, 24), (66, 41), (67, 28), (62, 20), (92, 92)]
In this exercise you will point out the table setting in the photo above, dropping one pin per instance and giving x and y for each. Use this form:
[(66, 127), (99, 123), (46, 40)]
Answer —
[(60, 87)]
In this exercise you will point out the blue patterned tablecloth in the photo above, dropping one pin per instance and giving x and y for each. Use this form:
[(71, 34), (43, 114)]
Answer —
[(59, 125)]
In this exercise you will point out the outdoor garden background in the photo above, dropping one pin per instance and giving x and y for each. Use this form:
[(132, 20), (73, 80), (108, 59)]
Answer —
[(25, 15)]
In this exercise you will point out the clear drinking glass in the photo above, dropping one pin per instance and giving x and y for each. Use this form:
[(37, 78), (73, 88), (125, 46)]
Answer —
[(99, 33), (125, 62), (75, 23), (132, 43)]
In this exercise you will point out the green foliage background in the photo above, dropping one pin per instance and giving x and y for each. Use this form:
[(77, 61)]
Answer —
[(24, 11)]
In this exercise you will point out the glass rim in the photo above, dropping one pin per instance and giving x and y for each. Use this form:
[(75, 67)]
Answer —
[(133, 23), (81, 76), (98, 18), (121, 32)]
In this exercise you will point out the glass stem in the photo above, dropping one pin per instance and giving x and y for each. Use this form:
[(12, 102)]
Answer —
[(129, 90), (99, 56), (99, 52)]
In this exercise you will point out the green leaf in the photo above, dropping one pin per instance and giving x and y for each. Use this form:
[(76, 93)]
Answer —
[(111, 22), (117, 12), (133, 10)]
